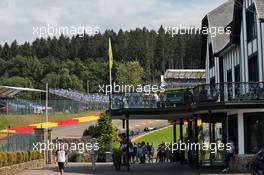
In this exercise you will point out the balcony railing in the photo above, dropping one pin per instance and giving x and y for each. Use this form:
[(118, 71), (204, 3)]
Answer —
[(242, 92)]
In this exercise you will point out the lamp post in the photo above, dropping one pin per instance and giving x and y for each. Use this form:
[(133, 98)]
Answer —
[(46, 127)]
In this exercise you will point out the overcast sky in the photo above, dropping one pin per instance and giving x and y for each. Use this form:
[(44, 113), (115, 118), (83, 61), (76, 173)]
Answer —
[(18, 17)]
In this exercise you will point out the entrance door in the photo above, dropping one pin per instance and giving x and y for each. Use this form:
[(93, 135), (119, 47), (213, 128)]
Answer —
[(217, 137)]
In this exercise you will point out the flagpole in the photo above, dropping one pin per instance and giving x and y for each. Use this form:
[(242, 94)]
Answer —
[(110, 54), (110, 79)]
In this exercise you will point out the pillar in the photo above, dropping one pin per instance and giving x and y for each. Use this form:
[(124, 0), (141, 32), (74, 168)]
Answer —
[(241, 138), (181, 139), (127, 137), (174, 155)]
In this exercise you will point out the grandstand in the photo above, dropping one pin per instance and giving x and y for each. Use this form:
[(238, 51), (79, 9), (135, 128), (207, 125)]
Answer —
[(80, 100), (59, 100)]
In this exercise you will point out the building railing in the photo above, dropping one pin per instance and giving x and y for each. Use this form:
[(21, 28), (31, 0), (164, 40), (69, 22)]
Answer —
[(229, 92), (241, 92)]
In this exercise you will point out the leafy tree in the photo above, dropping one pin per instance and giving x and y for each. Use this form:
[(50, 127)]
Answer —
[(16, 81), (105, 133), (130, 73)]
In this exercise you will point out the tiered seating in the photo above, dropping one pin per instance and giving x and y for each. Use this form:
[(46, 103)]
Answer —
[(78, 96)]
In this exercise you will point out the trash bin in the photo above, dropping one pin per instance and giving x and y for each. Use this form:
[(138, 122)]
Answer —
[(108, 157)]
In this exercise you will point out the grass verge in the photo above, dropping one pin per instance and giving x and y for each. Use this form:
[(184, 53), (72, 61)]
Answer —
[(158, 136)]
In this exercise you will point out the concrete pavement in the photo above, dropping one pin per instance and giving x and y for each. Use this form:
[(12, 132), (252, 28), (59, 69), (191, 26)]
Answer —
[(108, 169), (136, 169)]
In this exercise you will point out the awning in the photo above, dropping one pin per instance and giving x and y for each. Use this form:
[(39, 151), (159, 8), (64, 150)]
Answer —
[(185, 74), (9, 91)]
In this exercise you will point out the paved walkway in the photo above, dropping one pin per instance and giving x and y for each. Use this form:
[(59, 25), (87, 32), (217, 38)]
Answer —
[(108, 169)]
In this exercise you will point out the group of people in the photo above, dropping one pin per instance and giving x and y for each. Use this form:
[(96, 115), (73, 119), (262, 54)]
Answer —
[(137, 152), (143, 152)]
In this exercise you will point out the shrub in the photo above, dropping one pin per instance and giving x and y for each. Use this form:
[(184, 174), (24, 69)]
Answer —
[(19, 157), (11, 158), (4, 160)]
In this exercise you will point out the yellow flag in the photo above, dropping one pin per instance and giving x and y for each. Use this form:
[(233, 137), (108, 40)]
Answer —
[(110, 53)]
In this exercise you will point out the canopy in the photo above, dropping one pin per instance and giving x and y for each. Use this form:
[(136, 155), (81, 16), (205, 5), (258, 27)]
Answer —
[(185, 74), (9, 91)]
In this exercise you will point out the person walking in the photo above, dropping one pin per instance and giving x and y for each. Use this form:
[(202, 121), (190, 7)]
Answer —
[(61, 159), (93, 154), (229, 155), (157, 100)]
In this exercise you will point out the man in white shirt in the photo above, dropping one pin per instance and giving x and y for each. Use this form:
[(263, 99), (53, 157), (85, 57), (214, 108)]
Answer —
[(61, 158)]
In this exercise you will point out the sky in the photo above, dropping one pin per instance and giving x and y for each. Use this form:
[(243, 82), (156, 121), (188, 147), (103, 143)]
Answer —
[(21, 20)]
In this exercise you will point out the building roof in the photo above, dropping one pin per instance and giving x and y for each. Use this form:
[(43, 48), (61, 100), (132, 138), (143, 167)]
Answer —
[(184, 73), (260, 8), (9, 91), (221, 17)]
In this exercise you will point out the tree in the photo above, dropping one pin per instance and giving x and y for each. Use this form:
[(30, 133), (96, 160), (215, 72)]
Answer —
[(105, 133), (16, 81), (130, 73)]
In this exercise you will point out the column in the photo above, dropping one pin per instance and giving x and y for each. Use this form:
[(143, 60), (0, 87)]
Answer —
[(241, 138), (127, 137)]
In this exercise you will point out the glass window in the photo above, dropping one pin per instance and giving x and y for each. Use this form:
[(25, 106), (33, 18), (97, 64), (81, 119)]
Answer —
[(254, 132), (251, 23), (253, 73)]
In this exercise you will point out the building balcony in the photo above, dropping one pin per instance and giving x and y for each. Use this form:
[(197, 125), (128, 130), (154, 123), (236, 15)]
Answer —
[(201, 95)]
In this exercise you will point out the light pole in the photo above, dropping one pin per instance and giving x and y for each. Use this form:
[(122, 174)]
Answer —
[(46, 136)]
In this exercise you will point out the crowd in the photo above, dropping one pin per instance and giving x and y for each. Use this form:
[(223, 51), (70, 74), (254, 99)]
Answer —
[(144, 152), (76, 95)]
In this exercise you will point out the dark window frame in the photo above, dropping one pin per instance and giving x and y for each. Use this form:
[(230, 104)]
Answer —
[(211, 57), (251, 23), (253, 69)]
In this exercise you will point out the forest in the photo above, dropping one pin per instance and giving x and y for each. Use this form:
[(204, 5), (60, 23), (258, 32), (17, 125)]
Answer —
[(74, 62)]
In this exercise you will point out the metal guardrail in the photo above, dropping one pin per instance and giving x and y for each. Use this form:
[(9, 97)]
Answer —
[(242, 92), (16, 141)]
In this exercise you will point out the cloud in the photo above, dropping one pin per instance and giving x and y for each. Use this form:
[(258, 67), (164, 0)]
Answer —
[(18, 17)]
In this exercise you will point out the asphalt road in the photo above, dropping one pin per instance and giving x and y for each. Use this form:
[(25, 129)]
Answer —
[(76, 131)]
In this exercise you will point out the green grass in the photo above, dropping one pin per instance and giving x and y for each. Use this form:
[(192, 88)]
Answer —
[(159, 136), (23, 120)]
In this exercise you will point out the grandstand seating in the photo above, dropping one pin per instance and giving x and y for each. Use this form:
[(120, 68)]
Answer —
[(78, 96)]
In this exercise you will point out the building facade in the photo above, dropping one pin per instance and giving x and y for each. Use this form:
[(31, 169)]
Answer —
[(234, 64)]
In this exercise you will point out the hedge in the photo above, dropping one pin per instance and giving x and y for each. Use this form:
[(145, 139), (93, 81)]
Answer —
[(11, 158)]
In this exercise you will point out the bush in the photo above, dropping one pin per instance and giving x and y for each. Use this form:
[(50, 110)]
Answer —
[(11, 158), (19, 157)]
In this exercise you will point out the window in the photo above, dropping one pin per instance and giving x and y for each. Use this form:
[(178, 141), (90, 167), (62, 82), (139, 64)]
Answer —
[(251, 23), (253, 73), (237, 74), (211, 56), (254, 132)]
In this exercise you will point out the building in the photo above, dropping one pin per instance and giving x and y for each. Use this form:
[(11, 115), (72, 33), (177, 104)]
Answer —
[(183, 78), (230, 105), (235, 65)]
